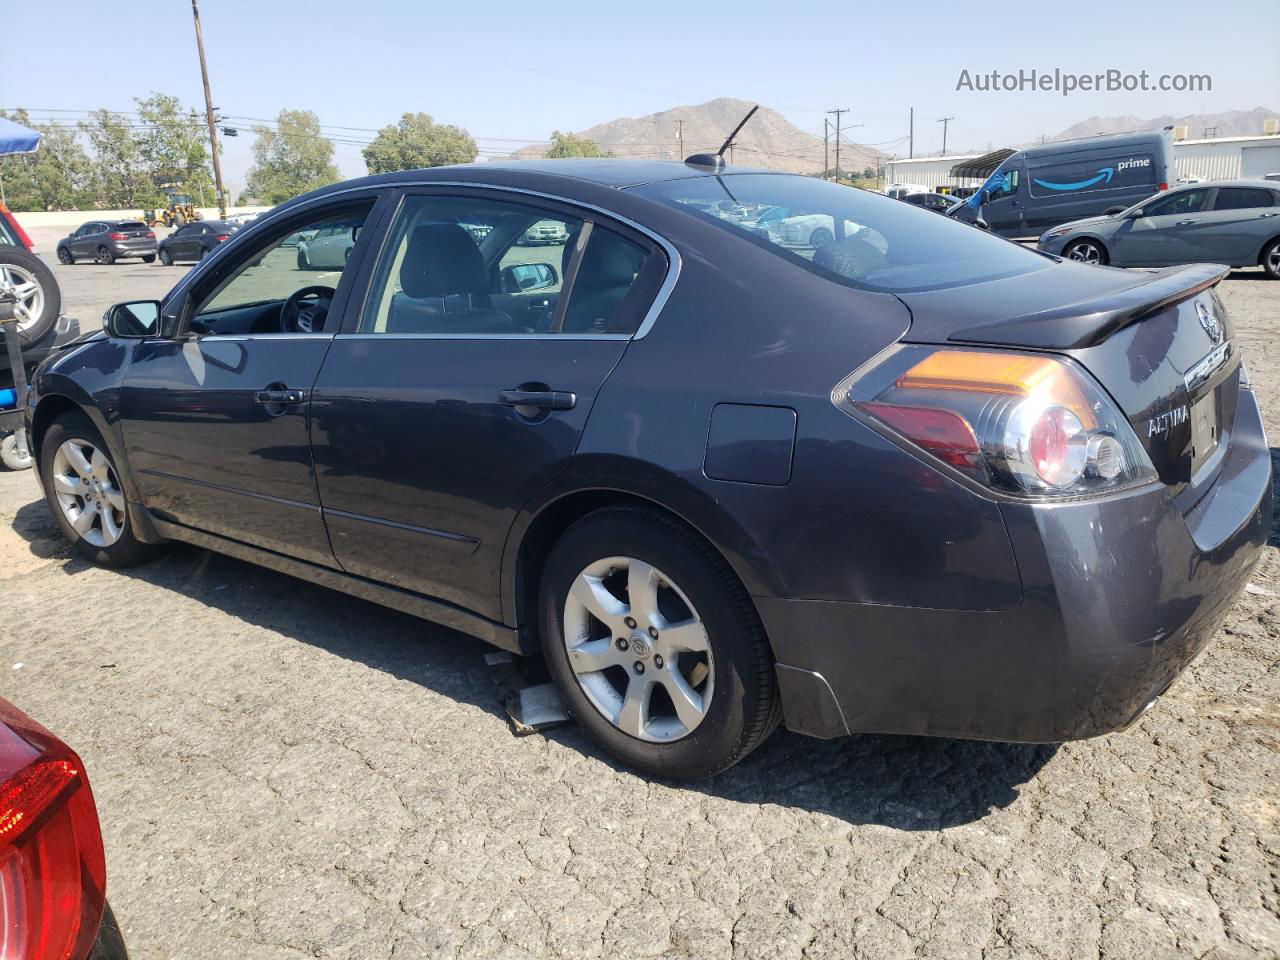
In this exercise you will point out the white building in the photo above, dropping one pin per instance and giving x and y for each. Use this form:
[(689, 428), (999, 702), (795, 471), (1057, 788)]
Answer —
[(1215, 158)]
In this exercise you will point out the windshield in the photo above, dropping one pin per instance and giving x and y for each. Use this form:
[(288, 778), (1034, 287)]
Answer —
[(849, 235)]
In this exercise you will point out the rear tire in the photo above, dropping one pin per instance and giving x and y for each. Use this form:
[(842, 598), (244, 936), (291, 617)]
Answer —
[(106, 543), (1270, 259), (39, 299), (105, 257), (820, 238), (303, 262), (149, 258), (707, 629), (1087, 251), (166, 258)]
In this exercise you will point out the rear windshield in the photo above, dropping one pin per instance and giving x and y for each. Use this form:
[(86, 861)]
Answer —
[(131, 225), (849, 235)]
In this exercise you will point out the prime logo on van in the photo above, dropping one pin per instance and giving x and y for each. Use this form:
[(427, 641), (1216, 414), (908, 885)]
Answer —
[(1103, 174)]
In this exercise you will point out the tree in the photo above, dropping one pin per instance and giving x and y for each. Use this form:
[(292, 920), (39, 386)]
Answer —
[(570, 145), (417, 141), (116, 178), (291, 159), (173, 146), (52, 178)]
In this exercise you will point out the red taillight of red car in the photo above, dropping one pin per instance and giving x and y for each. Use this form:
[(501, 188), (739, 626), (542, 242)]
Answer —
[(52, 872), (119, 236), (16, 227)]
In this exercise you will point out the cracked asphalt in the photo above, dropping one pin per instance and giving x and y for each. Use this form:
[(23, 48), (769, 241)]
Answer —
[(285, 772)]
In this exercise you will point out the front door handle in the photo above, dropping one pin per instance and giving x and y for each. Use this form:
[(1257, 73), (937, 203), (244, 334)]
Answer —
[(1263, 216), (1183, 223), (281, 395), (542, 399)]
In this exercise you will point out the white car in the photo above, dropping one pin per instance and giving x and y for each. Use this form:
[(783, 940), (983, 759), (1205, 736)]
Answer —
[(899, 190), (327, 247), (809, 229), (241, 219)]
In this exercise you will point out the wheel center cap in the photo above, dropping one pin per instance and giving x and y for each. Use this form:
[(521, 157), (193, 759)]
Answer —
[(640, 645)]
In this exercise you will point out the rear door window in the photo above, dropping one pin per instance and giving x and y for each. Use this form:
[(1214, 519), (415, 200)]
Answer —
[(1242, 198)]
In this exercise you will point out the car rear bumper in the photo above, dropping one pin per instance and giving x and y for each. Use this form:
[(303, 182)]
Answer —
[(134, 248), (1119, 596)]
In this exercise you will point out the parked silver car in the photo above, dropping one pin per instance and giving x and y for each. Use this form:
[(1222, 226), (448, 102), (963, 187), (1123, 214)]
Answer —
[(1234, 222), (328, 247)]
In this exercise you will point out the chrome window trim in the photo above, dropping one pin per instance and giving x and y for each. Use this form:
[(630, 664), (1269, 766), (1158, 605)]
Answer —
[(486, 336), (674, 262)]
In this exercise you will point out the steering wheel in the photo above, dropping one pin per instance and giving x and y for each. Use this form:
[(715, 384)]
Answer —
[(307, 309)]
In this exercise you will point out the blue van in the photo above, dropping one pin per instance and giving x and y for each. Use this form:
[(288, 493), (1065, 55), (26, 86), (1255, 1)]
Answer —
[(1041, 187)]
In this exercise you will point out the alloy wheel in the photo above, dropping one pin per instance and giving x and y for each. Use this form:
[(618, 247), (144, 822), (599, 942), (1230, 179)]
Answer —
[(1273, 260), (1086, 252), (88, 492), (22, 284), (638, 649)]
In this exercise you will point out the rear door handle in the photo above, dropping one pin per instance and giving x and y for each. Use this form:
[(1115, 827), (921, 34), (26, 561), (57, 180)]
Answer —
[(1183, 223), (543, 399), (1263, 216), (285, 395)]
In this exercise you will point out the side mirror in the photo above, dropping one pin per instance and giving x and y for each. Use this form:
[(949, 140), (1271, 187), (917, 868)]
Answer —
[(134, 320), (527, 277), (981, 224), (1135, 214)]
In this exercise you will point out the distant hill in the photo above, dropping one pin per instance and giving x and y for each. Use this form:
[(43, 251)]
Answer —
[(1229, 123), (769, 140)]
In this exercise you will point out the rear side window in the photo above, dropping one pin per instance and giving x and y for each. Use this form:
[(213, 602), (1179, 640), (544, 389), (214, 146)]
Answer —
[(1243, 198), (467, 266), (848, 235)]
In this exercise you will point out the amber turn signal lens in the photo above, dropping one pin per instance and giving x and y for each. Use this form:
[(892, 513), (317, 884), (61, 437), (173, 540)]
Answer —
[(1011, 374)]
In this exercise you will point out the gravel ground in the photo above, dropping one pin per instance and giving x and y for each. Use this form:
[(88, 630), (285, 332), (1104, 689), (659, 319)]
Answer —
[(285, 772)]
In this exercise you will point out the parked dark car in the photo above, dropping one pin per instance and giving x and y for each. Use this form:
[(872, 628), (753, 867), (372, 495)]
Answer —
[(53, 873), (106, 241), (909, 481), (1236, 222), (194, 241), (937, 202)]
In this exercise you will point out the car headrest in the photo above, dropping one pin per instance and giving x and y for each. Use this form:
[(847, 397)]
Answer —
[(442, 259), (609, 261)]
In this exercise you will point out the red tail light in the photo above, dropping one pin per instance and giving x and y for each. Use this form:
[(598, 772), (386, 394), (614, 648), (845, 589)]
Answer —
[(17, 227), (151, 234), (224, 237), (1162, 186), (52, 874), (119, 236)]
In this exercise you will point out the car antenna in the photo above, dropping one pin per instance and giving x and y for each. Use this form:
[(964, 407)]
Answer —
[(716, 160)]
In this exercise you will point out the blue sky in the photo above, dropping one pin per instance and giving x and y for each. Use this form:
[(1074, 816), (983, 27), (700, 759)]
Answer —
[(510, 72)]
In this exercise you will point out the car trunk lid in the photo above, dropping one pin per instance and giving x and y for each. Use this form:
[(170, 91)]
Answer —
[(1159, 342)]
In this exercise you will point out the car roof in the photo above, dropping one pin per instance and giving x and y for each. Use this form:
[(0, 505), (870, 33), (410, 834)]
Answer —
[(617, 172)]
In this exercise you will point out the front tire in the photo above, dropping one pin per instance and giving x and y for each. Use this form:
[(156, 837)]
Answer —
[(65, 257), (820, 238), (666, 664), (149, 258), (1087, 251), (166, 258), (303, 262), (82, 487), (12, 457), (1270, 259)]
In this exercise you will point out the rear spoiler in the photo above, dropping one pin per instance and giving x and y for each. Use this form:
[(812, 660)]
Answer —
[(1089, 322)]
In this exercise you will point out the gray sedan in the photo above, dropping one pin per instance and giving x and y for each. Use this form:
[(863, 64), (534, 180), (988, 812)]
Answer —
[(1235, 222)]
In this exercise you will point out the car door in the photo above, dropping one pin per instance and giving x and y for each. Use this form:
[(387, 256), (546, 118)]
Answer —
[(1162, 234), (216, 417), (180, 242), (441, 408), (1234, 225), (85, 245), (1003, 207)]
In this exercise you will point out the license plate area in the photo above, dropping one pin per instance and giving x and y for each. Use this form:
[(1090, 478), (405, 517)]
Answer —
[(1204, 430)]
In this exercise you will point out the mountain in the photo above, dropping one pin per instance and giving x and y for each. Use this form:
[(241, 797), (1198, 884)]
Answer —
[(769, 140), (1229, 123)]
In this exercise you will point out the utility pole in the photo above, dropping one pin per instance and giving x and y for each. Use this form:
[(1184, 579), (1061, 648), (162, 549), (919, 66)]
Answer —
[(911, 133), (680, 136), (944, 121), (208, 110), (837, 113), (826, 141)]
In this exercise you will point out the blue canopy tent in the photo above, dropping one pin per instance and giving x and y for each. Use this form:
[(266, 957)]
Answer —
[(15, 139)]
